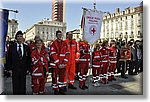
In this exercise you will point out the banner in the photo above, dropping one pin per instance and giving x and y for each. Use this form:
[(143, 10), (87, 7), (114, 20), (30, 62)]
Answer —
[(125, 54), (3, 31), (91, 23)]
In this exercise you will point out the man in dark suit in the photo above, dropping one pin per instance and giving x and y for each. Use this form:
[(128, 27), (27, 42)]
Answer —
[(19, 62), (134, 59)]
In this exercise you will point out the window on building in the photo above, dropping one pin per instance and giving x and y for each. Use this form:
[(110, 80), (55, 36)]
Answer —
[(107, 35), (116, 35), (139, 33), (107, 27), (116, 19), (139, 22), (126, 25), (131, 16), (132, 35), (126, 17), (112, 35), (139, 14), (121, 35), (132, 24), (120, 26)]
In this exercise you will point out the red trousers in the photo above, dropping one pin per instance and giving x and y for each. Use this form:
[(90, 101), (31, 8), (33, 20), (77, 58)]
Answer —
[(104, 72), (83, 70), (70, 72), (77, 69), (111, 71), (38, 85), (58, 76), (95, 73)]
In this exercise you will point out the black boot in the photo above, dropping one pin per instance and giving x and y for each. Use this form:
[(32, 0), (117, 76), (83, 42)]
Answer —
[(114, 79), (56, 92), (65, 89), (61, 92), (70, 86), (82, 87), (76, 77), (86, 87), (125, 77)]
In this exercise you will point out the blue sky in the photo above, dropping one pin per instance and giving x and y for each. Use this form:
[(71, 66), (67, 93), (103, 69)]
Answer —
[(32, 12)]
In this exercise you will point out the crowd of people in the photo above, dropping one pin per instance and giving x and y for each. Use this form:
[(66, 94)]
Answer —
[(69, 60)]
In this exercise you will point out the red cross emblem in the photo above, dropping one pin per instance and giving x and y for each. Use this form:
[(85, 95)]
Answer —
[(93, 30)]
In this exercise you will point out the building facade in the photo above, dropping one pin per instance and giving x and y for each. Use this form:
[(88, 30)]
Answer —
[(46, 29), (12, 29), (58, 10), (77, 35), (127, 24)]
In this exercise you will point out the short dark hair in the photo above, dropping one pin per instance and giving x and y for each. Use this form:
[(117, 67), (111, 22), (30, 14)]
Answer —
[(18, 33), (123, 43), (104, 43), (58, 32)]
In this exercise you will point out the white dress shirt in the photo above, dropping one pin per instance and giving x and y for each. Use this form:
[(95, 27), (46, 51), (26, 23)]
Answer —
[(21, 48)]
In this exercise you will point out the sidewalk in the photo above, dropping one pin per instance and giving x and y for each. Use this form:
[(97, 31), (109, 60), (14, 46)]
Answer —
[(131, 86)]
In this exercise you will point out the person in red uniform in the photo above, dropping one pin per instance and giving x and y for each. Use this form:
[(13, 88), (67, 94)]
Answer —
[(125, 54), (77, 62), (39, 68), (113, 60), (59, 58), (70, 69), (33, 45), (96, 65), (105, 62), (84, 64)]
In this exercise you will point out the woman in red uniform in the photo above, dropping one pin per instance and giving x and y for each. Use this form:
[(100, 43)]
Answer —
[(113, 60), (96, 65), (39, 68)]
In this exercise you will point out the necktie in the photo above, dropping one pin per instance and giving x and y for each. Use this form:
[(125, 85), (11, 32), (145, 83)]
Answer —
[(20, 52)]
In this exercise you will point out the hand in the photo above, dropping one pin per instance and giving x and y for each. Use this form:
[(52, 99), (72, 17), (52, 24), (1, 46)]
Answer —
[(60, 66), (28, 72), (63, 65)]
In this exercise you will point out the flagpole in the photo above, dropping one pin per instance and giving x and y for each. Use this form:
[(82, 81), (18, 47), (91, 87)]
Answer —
[(94, 5), (15, 11)]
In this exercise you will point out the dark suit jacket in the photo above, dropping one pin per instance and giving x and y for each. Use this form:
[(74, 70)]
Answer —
[(14, 63), (134, 54)]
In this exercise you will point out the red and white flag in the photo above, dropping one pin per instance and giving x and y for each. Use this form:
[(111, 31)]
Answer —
[(91, 23)]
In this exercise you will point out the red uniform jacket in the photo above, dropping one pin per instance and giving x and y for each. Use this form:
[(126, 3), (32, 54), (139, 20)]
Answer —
[(59, 53), (84, 52), (113, 55), (72, 48), (96, 56), (39, 63), (105, 54)]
